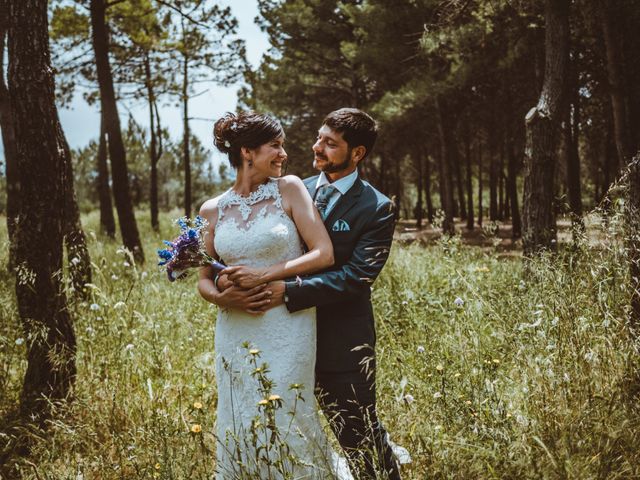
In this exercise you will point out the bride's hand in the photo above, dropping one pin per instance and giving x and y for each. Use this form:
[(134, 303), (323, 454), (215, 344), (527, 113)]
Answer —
[(245, 277)]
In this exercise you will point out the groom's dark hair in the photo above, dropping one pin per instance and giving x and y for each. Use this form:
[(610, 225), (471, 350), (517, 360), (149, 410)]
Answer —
[(356, 126)]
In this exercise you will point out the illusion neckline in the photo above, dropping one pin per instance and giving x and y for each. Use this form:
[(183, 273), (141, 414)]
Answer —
[(253, 193)]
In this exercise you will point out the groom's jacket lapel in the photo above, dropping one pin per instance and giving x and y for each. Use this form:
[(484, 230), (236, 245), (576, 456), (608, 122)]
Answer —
[(345, 203)]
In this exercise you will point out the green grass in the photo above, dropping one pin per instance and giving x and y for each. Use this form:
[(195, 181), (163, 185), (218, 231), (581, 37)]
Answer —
[(532, 376)]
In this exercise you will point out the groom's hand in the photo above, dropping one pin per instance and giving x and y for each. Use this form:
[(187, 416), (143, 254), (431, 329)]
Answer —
[(277, 290)]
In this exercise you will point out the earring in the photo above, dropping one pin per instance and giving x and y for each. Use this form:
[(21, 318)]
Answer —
[(250, 163)]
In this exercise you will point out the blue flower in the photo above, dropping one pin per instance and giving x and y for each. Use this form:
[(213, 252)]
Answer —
[(165, 256)]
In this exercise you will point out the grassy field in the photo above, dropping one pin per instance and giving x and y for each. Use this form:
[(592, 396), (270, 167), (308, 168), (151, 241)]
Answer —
[(486, 370)]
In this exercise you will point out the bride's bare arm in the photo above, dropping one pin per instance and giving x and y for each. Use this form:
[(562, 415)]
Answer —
[(249, 300), (298, 204), (206, 286)]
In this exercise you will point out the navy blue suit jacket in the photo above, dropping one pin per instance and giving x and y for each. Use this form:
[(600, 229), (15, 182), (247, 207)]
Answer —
[(361, 226)]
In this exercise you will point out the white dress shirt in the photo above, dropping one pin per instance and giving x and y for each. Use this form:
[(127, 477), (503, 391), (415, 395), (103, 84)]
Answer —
[(342, 186)]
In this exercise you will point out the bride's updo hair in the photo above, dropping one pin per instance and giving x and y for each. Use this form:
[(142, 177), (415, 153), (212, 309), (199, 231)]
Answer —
[(245, 129)]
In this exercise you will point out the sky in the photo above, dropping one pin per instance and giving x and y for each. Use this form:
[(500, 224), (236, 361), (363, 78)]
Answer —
[(81, 122)]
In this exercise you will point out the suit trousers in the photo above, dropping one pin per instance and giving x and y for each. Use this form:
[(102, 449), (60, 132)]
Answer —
[(350, 408)]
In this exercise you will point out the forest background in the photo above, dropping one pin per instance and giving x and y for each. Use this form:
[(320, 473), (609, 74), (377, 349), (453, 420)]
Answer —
[(498, 118)]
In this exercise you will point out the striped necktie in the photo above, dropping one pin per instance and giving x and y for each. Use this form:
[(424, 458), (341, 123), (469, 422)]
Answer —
[(322, 199)]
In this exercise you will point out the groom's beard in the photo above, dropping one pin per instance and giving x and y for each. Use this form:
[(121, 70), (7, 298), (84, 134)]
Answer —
[(337, 167)]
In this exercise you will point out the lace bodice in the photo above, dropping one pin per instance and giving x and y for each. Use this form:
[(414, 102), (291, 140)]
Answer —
[(255, 230)]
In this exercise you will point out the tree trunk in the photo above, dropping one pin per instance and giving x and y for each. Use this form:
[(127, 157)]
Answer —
[(512, 191), (480, 184), (571, 139), (469, 173), (117, 154), (8, 141), (107, 222), (633, 240), (616, 81), (382, 177), (493, 175), (153, 150), (500, 172), (397, 197), (185, 139), (74, 238), (41, 157), (539, 229), (418, 161), (457, 168), (446, 182), (427, 187)]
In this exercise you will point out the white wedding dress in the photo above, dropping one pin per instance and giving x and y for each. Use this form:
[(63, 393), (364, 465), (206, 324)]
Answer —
[(255, 231)]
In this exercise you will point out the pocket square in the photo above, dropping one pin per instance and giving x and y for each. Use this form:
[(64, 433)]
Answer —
[(340, 226)]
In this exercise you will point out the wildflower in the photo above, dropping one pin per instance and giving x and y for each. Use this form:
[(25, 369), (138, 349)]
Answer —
[(264, 401), (274, 398), (458, 302), (129, 347), (420, 349), (437, 395), (196, 428), (439, 368), (114, 277), (19, 341), (197, 405), (468, 402), (254, 351), (408, 398), (496, 361), (94, 307), (404, 302)]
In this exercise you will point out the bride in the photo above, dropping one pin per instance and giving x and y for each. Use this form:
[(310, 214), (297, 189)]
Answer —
[(268, 424)]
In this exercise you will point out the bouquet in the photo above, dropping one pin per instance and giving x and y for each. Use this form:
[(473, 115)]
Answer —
[(187, 250)]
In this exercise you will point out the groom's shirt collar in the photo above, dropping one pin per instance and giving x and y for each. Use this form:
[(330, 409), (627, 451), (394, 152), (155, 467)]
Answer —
[(343, 185)]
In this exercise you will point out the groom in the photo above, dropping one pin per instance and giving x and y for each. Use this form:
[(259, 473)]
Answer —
[(360, 222)]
